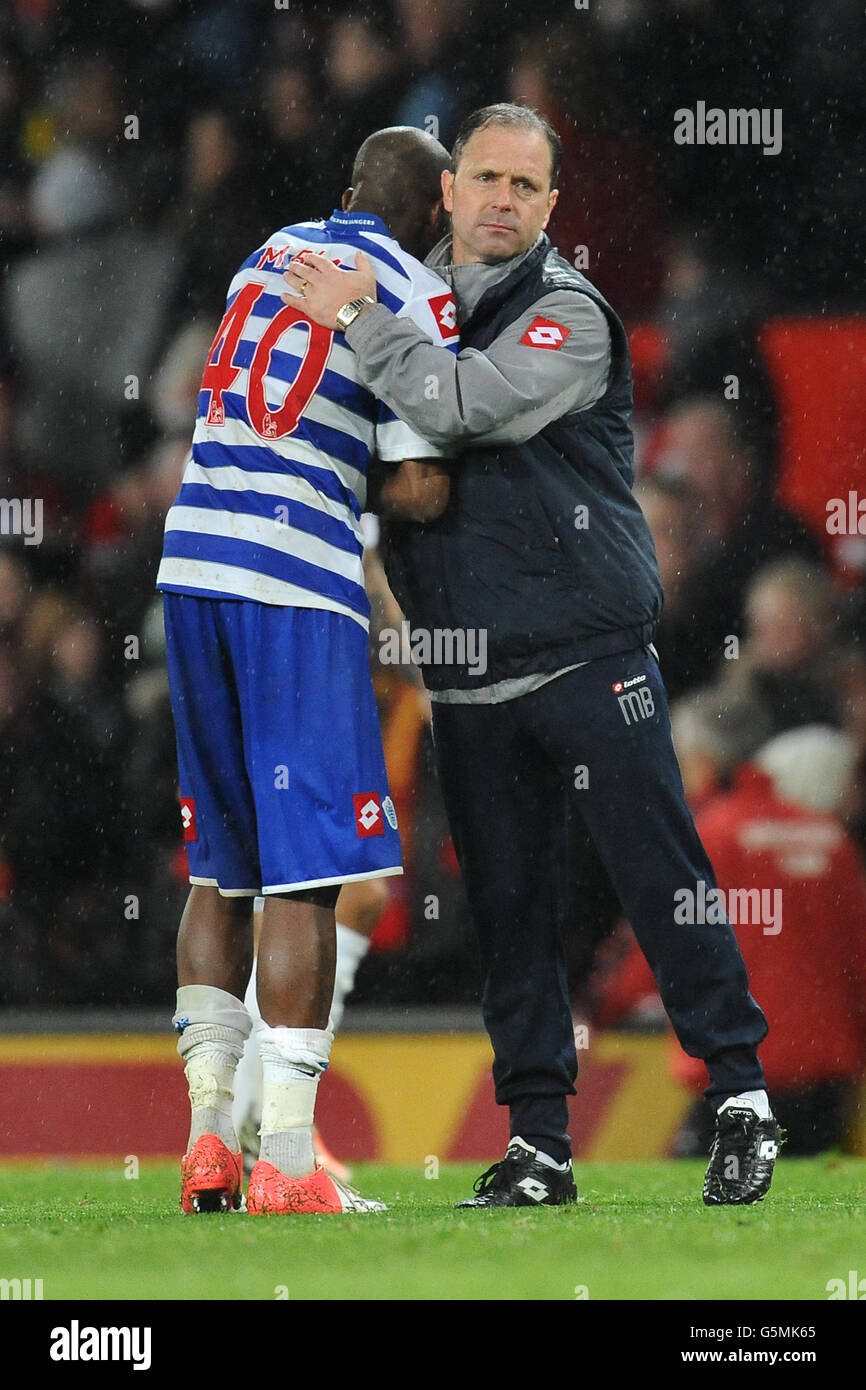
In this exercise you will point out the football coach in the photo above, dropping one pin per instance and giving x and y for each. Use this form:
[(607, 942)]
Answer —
[(544, 548)]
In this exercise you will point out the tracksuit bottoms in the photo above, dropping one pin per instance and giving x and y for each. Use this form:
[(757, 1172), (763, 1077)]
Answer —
[(599, 737)]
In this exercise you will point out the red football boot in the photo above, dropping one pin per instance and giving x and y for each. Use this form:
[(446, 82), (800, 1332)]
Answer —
[(272, 1193), (210, 1177)]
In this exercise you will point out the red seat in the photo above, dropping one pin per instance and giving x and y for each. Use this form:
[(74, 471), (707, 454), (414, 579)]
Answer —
[(818, 370), (650, 353)]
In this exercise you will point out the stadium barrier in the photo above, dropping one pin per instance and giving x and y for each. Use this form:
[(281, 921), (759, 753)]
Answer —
[(393, 1097)]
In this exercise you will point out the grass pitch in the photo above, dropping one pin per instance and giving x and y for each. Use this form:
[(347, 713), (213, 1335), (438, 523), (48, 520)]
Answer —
[(640, 1231)]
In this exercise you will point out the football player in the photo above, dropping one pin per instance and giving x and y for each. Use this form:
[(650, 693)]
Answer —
[(283, 783)]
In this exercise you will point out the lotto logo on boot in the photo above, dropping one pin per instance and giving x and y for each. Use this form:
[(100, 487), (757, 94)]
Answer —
[(368, 814)]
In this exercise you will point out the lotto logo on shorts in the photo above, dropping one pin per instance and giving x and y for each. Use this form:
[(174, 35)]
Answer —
[(187, 815), (544, 333), (368, 814), (445, 314)]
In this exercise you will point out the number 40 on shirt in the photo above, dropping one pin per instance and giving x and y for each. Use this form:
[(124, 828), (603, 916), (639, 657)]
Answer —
[(222, 370)]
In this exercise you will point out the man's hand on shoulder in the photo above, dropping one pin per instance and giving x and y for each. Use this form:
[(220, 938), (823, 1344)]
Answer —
[(325, 287)]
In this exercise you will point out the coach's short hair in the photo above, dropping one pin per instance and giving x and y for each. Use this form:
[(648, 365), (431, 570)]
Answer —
[(507, 113)]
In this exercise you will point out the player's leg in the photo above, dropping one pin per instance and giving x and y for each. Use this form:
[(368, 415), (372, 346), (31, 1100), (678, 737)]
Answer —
[(316, 765), (609, 719), (295, 980), (294, 988), (214, 946), (504, 810), (215, 940), (359, 909), (215, 937)]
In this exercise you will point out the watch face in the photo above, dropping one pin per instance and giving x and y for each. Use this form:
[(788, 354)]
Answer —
[(350, 312)]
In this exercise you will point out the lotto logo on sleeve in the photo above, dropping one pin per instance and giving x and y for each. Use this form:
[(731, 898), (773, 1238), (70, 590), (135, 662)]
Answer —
[(368, 814), (445, 313), (544, 333), (187, 815)]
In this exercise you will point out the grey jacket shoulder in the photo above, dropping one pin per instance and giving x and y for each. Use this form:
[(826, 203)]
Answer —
[(504, 394)]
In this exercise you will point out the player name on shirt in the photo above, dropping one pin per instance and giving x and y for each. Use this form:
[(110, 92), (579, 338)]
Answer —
[(270, 504)]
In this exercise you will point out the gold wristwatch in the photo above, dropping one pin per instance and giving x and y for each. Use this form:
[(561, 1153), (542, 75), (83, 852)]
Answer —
[(349, 312)]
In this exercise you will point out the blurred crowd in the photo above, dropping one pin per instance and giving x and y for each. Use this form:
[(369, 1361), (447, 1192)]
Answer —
[(147, 147)]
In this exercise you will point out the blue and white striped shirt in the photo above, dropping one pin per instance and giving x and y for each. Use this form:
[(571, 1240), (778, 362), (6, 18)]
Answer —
[(270, 504)]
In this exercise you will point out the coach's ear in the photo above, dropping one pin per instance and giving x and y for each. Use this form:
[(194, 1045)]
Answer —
[(346, 199), (448, 190), (551, 204)]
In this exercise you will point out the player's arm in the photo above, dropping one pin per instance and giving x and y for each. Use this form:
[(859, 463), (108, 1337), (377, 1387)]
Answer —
[(414, 490), (531, 375)]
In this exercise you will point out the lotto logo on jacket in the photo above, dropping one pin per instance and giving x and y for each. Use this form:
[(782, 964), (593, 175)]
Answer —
[(544, 333)]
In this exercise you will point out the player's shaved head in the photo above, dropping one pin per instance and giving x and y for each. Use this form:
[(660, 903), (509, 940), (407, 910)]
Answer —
[(399, 163), (397, 175)]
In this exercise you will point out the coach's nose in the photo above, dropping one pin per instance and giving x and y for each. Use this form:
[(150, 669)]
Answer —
[(503, 196)]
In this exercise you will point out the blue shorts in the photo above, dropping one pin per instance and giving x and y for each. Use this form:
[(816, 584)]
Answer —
[(282, 774)]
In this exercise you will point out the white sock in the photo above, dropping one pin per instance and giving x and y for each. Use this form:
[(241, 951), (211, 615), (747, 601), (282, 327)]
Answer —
[(758, 1100), (293, 1059), (352, 946), (210, 1078), (213, 1026)]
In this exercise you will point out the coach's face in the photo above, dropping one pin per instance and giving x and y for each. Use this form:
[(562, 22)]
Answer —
[(500, 196)]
